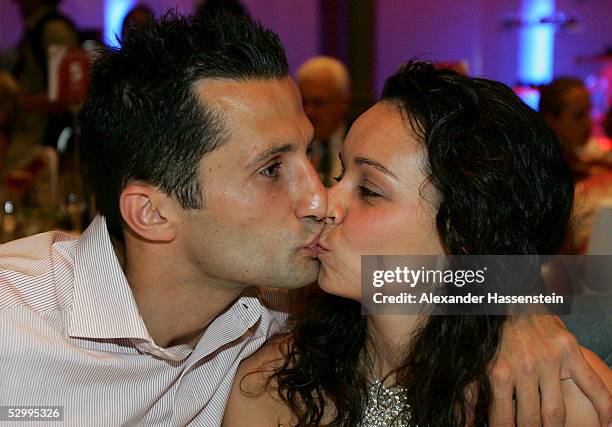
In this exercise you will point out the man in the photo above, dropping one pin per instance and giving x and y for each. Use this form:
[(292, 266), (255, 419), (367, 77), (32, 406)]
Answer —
[(196, 146), (325, 84), (566, 106)]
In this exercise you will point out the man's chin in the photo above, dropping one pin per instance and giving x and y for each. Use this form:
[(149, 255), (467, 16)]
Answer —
[(308, 274), (297, 277)]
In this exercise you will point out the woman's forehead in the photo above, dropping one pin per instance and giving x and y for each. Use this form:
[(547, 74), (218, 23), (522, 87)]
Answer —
[(382, 129)]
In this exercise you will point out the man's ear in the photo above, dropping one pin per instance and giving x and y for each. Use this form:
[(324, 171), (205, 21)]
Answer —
[(148, 212)]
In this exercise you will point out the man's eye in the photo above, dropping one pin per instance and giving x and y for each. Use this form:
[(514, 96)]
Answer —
[(365, 192), (271, 171)]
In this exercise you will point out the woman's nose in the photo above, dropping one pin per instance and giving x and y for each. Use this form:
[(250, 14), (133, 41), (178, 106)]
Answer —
[(336, 205)]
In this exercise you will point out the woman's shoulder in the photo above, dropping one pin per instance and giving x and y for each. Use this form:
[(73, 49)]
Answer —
[(254, 400), (255, 373)]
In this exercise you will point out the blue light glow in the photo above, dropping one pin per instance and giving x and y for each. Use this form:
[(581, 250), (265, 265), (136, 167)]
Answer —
[(536, 42), (529, 96), (114, 12)]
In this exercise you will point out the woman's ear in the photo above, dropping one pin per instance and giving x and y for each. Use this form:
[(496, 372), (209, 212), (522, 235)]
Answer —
[(148, 212)]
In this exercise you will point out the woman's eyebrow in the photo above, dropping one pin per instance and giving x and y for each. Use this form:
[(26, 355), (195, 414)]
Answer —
[(365, 161)]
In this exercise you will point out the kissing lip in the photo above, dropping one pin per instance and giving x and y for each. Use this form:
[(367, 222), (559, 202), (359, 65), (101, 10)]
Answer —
[(314, 242), (322, 247)]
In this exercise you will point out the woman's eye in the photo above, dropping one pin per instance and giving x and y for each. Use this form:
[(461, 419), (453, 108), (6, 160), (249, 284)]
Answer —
[(365, 192), (271, 171)]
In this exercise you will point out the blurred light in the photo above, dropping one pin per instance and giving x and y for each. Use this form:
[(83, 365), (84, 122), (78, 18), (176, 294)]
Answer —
[(529, 96), (63, 139), (114, 12), (536, 42), (9, 207)]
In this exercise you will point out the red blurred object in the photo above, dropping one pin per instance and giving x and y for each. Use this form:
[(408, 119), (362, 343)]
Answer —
[(68, 74), (18, 181), (21, 179)]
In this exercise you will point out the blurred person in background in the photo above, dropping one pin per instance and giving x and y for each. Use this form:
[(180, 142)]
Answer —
[(9, 90), (44, 27), (325, 86), (138, 15), (565, 104)]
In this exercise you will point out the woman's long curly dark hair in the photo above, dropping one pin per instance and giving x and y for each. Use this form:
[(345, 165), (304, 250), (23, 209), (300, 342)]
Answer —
[(504, 188)]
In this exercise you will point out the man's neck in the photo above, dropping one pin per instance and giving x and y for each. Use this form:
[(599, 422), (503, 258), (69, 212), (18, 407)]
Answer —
[(176, 304)]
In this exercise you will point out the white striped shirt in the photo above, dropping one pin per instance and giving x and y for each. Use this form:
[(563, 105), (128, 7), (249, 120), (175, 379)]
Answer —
[(71, 335)]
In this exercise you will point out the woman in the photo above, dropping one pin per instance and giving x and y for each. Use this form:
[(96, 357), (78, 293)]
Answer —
[(442, 164)]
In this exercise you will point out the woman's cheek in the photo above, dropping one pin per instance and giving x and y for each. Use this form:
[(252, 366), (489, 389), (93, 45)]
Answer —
[(378, 232)]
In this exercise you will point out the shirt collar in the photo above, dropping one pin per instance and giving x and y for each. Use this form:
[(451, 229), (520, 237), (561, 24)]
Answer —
[(242, 316), (247, 309), (104, 306)]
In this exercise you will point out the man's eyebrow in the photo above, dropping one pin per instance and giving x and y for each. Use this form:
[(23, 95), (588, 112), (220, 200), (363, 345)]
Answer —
[(375, 164), (272, 151)]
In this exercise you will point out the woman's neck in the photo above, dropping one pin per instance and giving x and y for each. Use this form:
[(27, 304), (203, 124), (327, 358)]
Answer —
[(388, 338)]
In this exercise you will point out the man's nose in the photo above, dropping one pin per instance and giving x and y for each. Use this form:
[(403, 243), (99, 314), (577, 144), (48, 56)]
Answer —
[(312, 202)]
